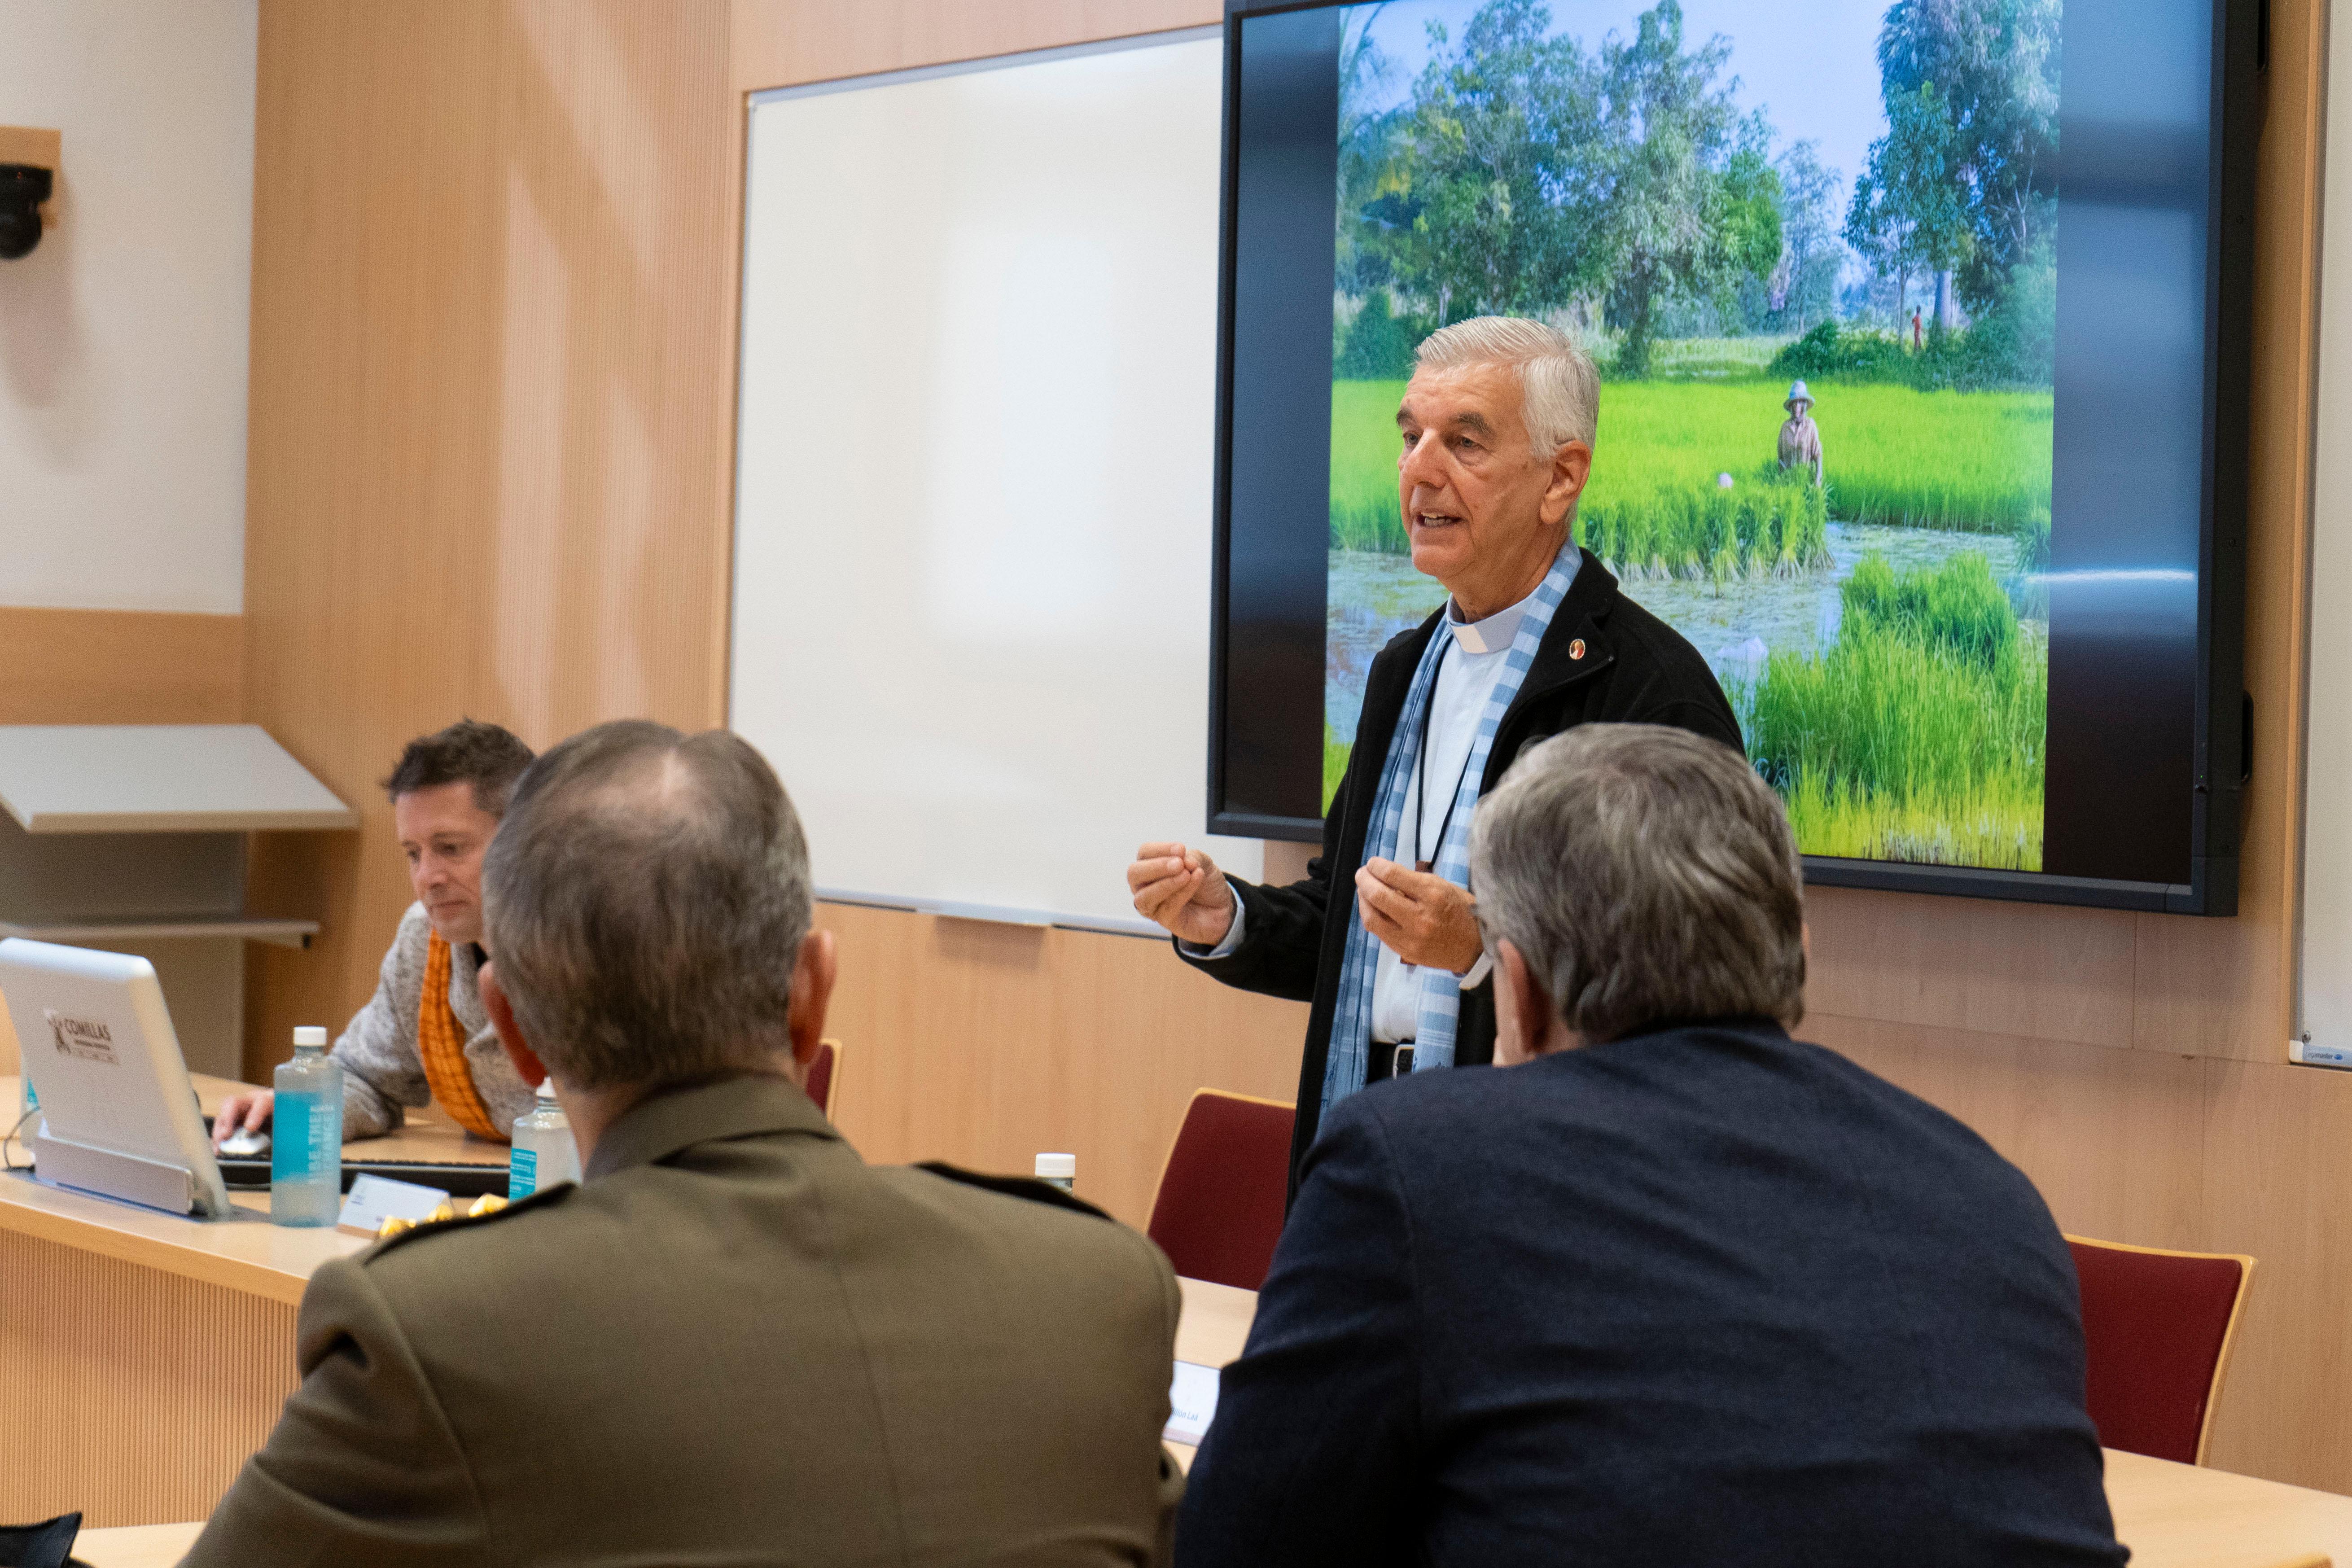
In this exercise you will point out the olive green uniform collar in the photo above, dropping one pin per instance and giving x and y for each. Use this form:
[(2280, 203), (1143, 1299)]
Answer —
[(670, 1120)]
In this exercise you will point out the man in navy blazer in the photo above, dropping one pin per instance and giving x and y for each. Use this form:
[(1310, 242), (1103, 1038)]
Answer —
[(1665, 1286)]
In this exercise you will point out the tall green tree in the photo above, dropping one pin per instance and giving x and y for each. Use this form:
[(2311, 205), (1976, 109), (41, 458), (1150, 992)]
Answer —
[(1494, 199), (1367, 154), (1995, 65), (1695, 201), (1803, 289), (1910, 208)]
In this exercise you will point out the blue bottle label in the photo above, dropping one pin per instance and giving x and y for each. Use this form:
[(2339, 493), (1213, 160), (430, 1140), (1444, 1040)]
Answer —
[(523, 1174), (293, 1116)]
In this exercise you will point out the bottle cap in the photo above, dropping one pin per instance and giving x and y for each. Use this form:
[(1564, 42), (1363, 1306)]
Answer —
[(308, 1034), (1064, 1166), (547, 1088)]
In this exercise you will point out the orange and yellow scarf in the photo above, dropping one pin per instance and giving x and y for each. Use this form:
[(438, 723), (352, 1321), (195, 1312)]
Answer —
[(441, 1043)]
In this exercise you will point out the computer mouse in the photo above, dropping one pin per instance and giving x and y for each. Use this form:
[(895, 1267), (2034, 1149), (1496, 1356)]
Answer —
[(245, 1145)]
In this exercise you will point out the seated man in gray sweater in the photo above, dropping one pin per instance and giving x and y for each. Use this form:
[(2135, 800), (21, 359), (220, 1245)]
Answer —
[(423, 1035)]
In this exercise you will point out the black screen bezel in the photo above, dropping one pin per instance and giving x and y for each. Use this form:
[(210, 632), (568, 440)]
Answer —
[(2221, 716)]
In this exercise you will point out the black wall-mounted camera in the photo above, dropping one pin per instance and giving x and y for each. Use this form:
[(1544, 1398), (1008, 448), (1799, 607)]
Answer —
[(23, 188)]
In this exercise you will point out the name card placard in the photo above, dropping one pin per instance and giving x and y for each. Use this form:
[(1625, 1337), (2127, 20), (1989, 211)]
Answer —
[(375, 1199), (1191, 1403)]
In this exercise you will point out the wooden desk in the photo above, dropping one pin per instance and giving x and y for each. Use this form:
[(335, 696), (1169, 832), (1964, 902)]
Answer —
[(2174, 1516), (2171, 1516), (137, 1546), (146, 1355)]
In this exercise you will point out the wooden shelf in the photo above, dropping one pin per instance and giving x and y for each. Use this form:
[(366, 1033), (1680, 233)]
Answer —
[(159, 778), (252, 928)]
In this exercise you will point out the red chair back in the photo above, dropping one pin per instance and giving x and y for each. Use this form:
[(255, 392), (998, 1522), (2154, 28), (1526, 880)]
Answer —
[(1219, 1209), (822, 1072), (2158, 1328)]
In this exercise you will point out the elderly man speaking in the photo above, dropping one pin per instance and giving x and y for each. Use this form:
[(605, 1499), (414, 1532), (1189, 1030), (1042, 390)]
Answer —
[(1497, 427)]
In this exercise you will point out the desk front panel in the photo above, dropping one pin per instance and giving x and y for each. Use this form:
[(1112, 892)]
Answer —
[(133, 1393)]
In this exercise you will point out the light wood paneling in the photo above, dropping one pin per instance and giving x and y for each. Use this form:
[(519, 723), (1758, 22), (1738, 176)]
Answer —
[(134, 1394), (2110, 1136), (2034, 970), (2277, 1159), (987, 1045), (492, 394), (778, 43), (24, 144), (120, 666)]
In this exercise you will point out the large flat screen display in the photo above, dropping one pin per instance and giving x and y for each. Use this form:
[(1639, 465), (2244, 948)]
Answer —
[(1922, 330)]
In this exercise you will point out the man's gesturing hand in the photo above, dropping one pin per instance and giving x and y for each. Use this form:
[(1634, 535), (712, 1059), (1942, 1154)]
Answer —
[(1183, 890), (1419, 916)]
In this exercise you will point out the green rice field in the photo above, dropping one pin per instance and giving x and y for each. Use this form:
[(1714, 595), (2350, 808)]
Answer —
[(1920, 734), (1915, 729), (1977, 461)]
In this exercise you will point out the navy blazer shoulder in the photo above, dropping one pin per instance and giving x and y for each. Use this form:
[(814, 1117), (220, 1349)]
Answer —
[(1703, 1294)]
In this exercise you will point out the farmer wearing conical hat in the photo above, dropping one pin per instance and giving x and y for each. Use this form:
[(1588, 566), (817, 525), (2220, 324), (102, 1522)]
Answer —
[(1800, 438)]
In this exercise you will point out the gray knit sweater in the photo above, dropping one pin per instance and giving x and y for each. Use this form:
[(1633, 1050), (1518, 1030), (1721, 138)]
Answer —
[(382, 1069)]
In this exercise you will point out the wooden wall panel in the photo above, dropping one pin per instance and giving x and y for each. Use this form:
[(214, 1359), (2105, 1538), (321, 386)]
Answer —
[(2276, 1160), (986, 1045), (134, 1394), (2034, 970), (120, 666), (492, 395), (2109, 1135), (778, 43)]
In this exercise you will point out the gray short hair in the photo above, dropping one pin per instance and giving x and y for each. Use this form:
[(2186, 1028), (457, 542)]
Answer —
[(1646, 875), (1560, 390), (644, 902)]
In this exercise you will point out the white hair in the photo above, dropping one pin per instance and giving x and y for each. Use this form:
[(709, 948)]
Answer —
[(1560, 390)]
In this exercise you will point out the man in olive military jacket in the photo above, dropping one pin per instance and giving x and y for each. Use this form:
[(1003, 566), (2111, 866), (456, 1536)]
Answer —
[(734, 1342)]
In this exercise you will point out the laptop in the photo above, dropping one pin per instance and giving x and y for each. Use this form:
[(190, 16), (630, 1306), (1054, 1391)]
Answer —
[(117, 1116)]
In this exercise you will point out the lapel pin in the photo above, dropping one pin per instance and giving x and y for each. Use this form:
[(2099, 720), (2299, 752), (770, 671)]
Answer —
[(1576, 648)]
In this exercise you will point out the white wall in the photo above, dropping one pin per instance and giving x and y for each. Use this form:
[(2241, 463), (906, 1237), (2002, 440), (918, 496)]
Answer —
[(122, 339)]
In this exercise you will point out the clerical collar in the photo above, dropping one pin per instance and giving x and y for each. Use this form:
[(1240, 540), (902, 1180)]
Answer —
[(1492, 635)]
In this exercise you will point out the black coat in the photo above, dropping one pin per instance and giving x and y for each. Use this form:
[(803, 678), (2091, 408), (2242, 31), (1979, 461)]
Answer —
[(1603, 660), (1702, 1295)]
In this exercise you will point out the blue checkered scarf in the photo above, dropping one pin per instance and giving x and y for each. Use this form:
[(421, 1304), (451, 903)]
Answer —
[(1441, 994)]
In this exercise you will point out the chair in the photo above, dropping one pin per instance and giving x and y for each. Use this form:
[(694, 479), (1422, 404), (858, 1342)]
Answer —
[(2158, 1327), (824, 1074), (1219, 1209)]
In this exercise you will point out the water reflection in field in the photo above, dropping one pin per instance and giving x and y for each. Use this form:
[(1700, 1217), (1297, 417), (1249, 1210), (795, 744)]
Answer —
[(1373, 596)]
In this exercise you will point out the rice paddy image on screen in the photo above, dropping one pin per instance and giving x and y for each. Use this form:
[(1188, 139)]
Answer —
[(1810, 247)]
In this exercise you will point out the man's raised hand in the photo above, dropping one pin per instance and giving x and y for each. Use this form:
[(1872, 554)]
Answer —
[(1421, 918), (1183, 890)]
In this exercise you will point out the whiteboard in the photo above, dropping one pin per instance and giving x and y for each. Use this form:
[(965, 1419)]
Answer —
[(2323, 1033), (972, 521)]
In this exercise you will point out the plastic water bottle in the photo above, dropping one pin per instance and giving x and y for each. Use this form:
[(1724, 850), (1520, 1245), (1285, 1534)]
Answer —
[(544, 1154), (1059, 1170), (306, 1135)]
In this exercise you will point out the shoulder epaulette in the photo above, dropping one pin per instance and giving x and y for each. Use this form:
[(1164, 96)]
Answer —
[(1028, 1187), (546, 1199)]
